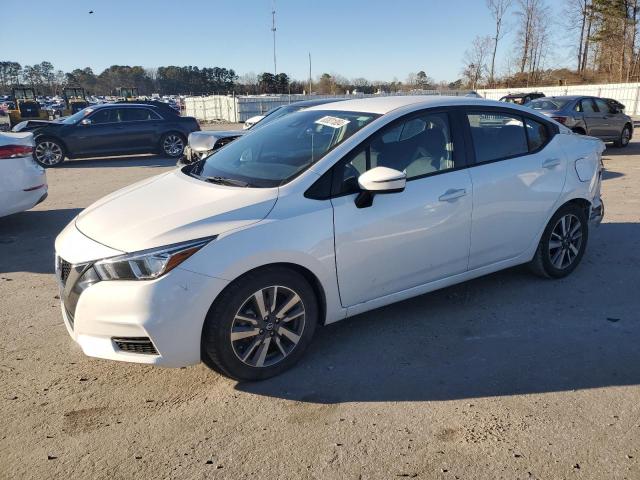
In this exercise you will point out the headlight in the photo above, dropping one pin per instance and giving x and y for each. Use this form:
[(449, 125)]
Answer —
[(148, 264)]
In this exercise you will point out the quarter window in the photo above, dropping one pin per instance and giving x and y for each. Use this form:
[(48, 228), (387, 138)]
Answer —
[(536, 133), (418, 146), (497, 135)]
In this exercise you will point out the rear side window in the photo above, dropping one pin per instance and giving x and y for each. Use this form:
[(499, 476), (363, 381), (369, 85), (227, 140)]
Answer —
[(587, 106), (137, 114), (497, 136), (537, 134), (603, 106)]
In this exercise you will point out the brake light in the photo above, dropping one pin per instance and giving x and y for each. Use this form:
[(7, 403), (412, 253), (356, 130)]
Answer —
[(13, 151), (561, 120)]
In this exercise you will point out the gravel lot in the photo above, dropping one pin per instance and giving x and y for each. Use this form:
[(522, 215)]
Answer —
[(507, 376)]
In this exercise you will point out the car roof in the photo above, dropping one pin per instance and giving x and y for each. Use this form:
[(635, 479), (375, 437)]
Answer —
[(383, 105)]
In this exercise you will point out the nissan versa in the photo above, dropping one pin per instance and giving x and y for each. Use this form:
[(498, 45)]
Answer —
[(323, 214)]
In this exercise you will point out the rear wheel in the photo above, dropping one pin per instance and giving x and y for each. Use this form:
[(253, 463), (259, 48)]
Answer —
[(48, 152), (625, 137), (260, 325), (563, 243), (172, 144)]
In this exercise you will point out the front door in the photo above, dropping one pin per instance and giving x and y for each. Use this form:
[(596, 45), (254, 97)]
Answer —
[(409, 238)]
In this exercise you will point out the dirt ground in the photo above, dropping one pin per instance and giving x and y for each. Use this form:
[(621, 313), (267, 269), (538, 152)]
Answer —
[(504, 377)]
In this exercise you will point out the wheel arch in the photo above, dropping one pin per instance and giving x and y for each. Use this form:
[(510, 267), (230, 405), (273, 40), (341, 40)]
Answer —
[(48, 136), (311, 277)]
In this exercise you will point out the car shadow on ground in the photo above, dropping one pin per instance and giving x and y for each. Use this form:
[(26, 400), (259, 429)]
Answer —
[(26, 239), (505, 334), (116, 162), (610, 174), (632, 149)]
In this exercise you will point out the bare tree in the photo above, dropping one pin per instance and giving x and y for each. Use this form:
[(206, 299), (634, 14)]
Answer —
[(498, 9), (475, 60)]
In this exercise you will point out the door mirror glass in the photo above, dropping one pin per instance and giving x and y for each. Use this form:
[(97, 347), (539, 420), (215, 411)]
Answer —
[(382, 180), (86, 121)]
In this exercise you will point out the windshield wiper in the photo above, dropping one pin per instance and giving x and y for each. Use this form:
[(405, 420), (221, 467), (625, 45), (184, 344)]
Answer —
[(226, 181)]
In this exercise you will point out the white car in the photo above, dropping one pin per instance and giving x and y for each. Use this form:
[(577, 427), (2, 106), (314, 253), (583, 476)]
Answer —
[(23, 183), (343, 208), (250, 122)]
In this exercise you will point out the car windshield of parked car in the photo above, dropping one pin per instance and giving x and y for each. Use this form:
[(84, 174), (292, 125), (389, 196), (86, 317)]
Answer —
[(275, 114), (76, 117), (547, 104), (275, 154)]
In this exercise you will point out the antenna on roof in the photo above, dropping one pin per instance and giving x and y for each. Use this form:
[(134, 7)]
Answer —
[(273, 29)]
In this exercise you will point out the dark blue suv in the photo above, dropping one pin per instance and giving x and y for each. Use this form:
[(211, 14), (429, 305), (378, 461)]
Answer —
[(111, 129)]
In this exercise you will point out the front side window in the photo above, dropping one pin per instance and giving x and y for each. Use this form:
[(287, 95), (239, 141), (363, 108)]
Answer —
[(418, 146), (603, 106), (274, 154), (104, 115), (497, 136)]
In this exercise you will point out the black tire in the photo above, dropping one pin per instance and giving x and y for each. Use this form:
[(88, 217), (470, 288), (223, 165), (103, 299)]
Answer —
[(49, 152), (237, 302), (172, 144), (625, 137), (546, 262)]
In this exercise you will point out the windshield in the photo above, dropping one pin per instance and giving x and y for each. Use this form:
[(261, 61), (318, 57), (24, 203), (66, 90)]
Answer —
[(548, 104), (275, 114), (276, 153), (76, 117)]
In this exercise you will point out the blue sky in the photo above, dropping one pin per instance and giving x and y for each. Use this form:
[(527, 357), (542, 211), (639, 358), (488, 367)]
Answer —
[(375, 39)]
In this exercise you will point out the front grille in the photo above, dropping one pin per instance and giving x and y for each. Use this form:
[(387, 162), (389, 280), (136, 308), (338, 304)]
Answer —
[(141, 345), (64, 268)]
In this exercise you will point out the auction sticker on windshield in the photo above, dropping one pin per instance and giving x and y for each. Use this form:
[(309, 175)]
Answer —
[(333, 122)]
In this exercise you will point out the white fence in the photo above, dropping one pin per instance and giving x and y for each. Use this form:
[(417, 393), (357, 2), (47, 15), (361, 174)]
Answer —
[(625, 93), (231, 108), (238, 109)]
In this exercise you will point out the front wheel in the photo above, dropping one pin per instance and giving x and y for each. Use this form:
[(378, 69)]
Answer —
[(625, 137), (260, 325), (48, 152), (563, 243), (172, 144)]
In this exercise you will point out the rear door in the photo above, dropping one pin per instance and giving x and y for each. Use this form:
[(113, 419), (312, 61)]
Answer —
[(518, 175), (139, 126)]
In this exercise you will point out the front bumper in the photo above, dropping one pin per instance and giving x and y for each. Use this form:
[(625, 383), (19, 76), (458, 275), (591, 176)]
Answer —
[(169, 311)]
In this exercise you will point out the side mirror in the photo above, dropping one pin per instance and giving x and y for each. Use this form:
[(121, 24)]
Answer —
[(379, 180), (85, 121)]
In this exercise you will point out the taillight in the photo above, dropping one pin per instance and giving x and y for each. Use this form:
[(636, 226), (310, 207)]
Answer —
[(13, 151), (561, 120)]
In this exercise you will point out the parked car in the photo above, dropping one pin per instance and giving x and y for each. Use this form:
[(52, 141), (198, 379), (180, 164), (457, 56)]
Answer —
[(201, 144), (598, 117), (382, 198), (23, 183), (111, 129), (521, 98)]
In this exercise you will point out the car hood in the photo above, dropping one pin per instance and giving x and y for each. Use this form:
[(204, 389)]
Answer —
[(205, 140), (171, 208)]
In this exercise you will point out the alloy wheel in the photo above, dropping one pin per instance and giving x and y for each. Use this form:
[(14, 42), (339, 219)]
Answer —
[(565, 242), (173, 145), (268, 326), (626, 136), (49, 153)]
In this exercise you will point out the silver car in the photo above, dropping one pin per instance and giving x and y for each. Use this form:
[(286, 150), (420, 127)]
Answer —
[(598, 117)]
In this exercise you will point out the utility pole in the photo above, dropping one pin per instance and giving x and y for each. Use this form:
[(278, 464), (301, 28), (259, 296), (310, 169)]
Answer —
[(309, 73), (273, 29)]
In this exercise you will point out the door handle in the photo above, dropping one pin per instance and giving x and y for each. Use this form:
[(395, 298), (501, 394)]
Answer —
[(551, 162), (452, 194)]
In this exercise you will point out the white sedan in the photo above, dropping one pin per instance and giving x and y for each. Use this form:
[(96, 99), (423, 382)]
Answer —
[(337, 210), (23, 183)]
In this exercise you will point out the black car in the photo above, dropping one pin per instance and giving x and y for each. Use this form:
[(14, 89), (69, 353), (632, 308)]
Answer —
[(521, 98), (111, 129)]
